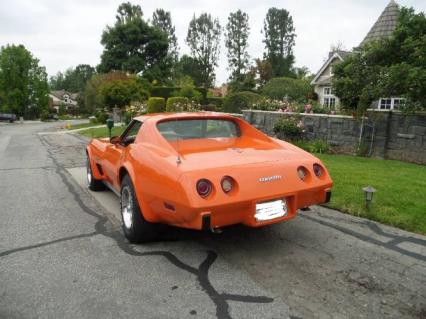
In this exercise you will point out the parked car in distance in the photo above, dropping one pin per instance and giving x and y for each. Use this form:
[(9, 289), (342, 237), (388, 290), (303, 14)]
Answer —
[(7, 117), (203, 171)]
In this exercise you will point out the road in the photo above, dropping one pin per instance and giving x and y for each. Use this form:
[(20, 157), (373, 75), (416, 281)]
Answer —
[(62, 254)]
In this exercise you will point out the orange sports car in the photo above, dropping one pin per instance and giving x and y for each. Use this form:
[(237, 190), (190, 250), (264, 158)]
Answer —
[(203, 171)]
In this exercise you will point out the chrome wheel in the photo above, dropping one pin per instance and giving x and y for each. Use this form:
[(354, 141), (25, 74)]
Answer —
[(127, 207), (89, 172)]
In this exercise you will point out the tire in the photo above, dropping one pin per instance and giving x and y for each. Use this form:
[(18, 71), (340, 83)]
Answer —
[(135, 227), (92, 183)]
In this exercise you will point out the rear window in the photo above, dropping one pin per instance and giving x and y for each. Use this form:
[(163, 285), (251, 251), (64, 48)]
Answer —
[(194, 129)]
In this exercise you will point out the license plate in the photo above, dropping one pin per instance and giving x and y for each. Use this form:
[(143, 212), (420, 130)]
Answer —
[(270, 210)]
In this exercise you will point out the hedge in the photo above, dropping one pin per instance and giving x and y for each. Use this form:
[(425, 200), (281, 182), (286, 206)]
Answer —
[(177, 104), (156, 105), (292, 89), (235, 102)]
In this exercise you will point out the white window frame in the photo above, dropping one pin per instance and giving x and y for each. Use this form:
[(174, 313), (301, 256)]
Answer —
[(390, 103), (329, 99)]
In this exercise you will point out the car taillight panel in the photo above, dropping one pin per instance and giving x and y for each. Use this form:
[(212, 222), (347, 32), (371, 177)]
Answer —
[(227, 184), (204, 187)]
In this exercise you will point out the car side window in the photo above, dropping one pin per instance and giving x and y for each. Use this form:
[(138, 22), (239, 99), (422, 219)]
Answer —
[(129, 135)]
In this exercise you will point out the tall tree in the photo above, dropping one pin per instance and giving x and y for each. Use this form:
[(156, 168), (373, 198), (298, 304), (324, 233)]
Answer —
[(279, 41), (237, 33), (73, 80), (163, 20), (23, 82), (132, 44), (204, 40), (394, 66)]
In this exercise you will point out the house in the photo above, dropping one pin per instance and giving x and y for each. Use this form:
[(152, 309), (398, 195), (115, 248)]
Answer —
[(63, 98), (384, 27), (322, 80)]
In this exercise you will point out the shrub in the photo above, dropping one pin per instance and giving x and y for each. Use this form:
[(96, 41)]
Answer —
[(177, 104), (127, 117), (216, 101), (163, 91), (314, 146), (292, 89), (189, 92), (289, 128), (156, 105), (44, 115), (235, 102), (101, 117), (169, 91)]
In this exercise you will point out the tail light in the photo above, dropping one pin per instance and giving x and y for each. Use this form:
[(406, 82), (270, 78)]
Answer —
[(227, 184), (302, 172), (204, 187), (318, 170)]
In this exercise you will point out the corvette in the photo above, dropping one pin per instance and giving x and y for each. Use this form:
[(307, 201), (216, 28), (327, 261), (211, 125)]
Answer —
[(203, 171)]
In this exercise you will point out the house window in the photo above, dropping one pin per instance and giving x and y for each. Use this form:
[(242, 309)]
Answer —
[(330, 102), (328, 91), (391, 103)]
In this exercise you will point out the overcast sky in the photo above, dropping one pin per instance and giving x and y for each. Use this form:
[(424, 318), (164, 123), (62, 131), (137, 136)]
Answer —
[(67, 33)]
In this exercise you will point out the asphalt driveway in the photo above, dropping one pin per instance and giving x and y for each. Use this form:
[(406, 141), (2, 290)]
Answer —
[(62, 254)]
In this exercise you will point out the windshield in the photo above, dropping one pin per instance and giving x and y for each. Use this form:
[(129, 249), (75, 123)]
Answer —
[(196, 129)]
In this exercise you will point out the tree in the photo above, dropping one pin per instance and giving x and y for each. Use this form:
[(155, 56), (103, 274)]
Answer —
[(114, 89), (394, 66), (288, 89), (302, 73), (203, 40), (23, 82), (279, 41), (163, 20), (73, 80), (189, 67), (237, 33), (262, 71), (133, 45)]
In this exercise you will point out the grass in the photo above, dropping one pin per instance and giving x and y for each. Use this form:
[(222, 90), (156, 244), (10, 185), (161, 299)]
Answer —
[(100, 132), (401, 190), (83, 125)]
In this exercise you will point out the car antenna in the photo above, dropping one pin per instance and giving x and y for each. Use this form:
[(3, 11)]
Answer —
[(178, 160)]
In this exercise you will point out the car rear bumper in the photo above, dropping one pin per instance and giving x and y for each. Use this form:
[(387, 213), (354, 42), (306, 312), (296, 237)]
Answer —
[(244, 212)]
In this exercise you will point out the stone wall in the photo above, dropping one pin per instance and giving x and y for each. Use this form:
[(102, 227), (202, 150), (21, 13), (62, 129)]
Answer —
[(390, 135)]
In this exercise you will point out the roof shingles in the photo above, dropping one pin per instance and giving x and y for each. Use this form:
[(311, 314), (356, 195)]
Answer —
[(385, 25)]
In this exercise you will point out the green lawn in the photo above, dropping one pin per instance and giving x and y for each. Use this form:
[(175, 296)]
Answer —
[(400, 200), (102, 131)]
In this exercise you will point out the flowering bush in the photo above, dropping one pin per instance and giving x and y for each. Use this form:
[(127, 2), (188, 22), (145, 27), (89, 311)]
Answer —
[(289, 128), (182, 104)]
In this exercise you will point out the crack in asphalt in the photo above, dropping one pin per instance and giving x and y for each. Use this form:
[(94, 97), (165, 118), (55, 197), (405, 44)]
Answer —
[(202, 272), (60, 240), (391, 245)]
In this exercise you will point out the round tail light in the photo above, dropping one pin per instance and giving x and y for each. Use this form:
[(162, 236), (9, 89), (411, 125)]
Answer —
[(318, 170), (227, 184), (301, 171), (204, 187)]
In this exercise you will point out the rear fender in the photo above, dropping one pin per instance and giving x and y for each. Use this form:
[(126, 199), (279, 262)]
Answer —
[(147, 213)]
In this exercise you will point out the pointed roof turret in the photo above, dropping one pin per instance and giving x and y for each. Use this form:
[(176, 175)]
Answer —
[(385, 25)]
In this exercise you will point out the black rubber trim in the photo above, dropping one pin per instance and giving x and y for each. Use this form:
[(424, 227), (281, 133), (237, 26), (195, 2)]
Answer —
[(206, 223), (327, 197)]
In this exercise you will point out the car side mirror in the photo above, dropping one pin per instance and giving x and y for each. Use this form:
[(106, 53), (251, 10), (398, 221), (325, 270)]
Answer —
[(115, 140)]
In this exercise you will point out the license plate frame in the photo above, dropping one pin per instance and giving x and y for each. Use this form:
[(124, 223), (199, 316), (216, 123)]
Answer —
[(270, 210)]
